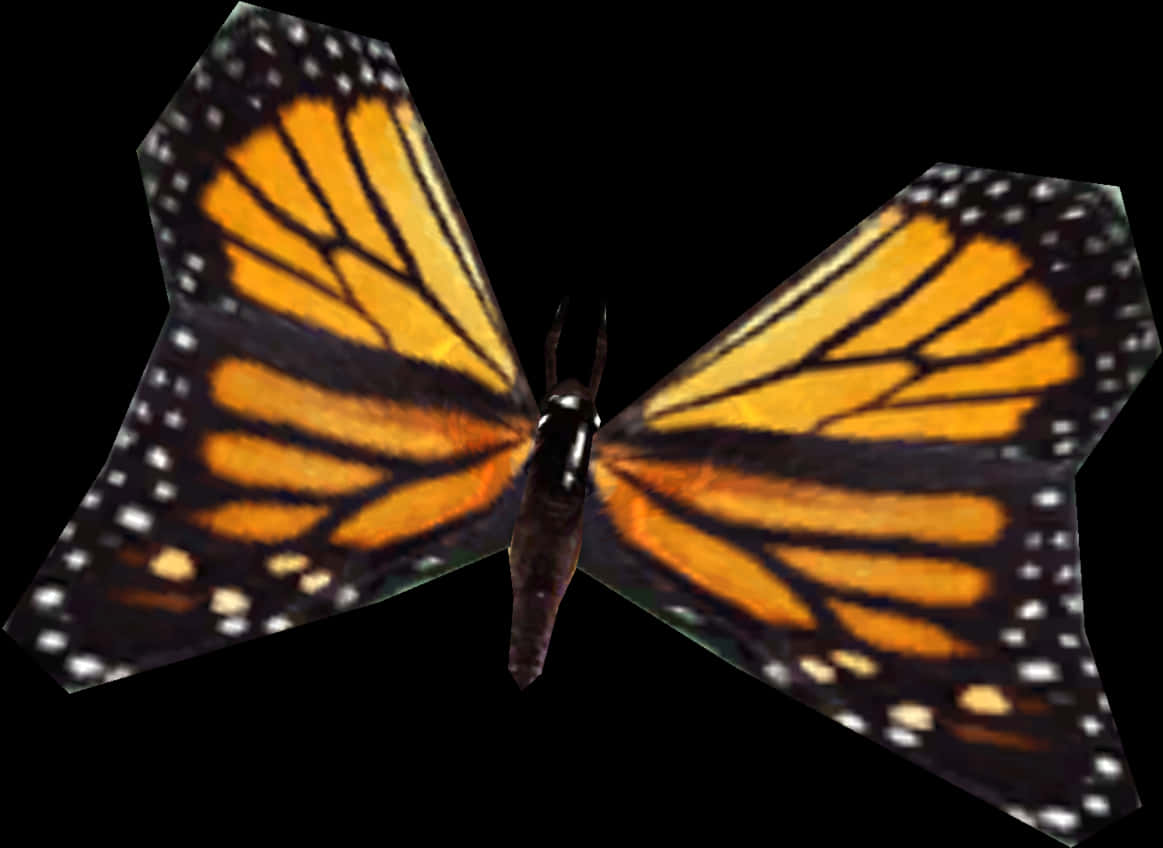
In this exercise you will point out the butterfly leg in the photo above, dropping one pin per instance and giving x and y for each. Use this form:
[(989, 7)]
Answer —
[(551, 345), (599, 355)]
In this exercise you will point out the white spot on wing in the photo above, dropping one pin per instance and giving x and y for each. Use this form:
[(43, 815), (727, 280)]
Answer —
[(852, 721), (164, 491), (777, 673), (1013, 636), (133, 517), (84, 666), (1096, 805), (48, 597), (184, 340), (1107, 766), (903, 738), (76, 559), (428, 563), (51, 641), (1048, 498), (1058, 818), (1039, 671), (159, 458), (233, 626), (1032, 609), (1090, 725)]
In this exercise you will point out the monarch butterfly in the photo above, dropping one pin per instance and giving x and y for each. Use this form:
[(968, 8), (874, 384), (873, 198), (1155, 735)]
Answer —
[(229, 443)]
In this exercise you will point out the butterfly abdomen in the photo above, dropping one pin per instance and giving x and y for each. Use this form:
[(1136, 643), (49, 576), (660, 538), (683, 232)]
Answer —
[(548, 532)]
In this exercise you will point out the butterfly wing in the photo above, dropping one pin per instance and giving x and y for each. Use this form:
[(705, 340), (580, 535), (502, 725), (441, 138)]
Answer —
[(862, 493), (334, 411)]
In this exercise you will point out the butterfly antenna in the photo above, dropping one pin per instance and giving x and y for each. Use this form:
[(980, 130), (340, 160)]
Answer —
[(599, 355), (551, 344)]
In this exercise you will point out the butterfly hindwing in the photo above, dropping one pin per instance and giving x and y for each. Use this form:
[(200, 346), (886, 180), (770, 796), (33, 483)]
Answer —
[(862, 491), (333, 412)]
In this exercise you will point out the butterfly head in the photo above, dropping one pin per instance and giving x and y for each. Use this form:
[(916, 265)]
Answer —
[(571, 394), (570, 399)]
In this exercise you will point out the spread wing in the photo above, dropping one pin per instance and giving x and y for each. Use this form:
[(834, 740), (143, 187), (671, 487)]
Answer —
[(334, 411), (862, 491)]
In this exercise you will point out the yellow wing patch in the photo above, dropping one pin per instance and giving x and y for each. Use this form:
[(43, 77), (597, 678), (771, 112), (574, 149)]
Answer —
[(397, 429), (267, 162), (289, 295), (1024, 312), (259, 521), (265, 463), (339, 219), (781, 504), (367, 247), (922, 580), (458, 284), (316, 131), (800, 402), (721, 568), (228, 203), (976, 271), (410, 510), (964, 422), (1035, 367), (900, 333), (737, 576), (898, 633), (173, 564), (416, 508), (785, 298), (894, 264)]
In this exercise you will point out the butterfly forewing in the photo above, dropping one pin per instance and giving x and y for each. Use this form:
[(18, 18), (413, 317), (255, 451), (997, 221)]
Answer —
[(862, 491), (334, 411), (990, 308)]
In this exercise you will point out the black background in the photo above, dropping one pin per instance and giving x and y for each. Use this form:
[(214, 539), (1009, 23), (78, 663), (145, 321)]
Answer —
[(681, 168)]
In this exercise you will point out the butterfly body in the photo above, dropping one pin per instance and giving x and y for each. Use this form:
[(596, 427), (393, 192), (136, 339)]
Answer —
[(547, 535)]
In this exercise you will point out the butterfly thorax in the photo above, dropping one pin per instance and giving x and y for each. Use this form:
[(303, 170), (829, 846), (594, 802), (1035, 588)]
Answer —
[(547, 534)]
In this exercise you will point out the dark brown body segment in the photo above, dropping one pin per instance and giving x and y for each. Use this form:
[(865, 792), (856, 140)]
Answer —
[(547, 536)]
